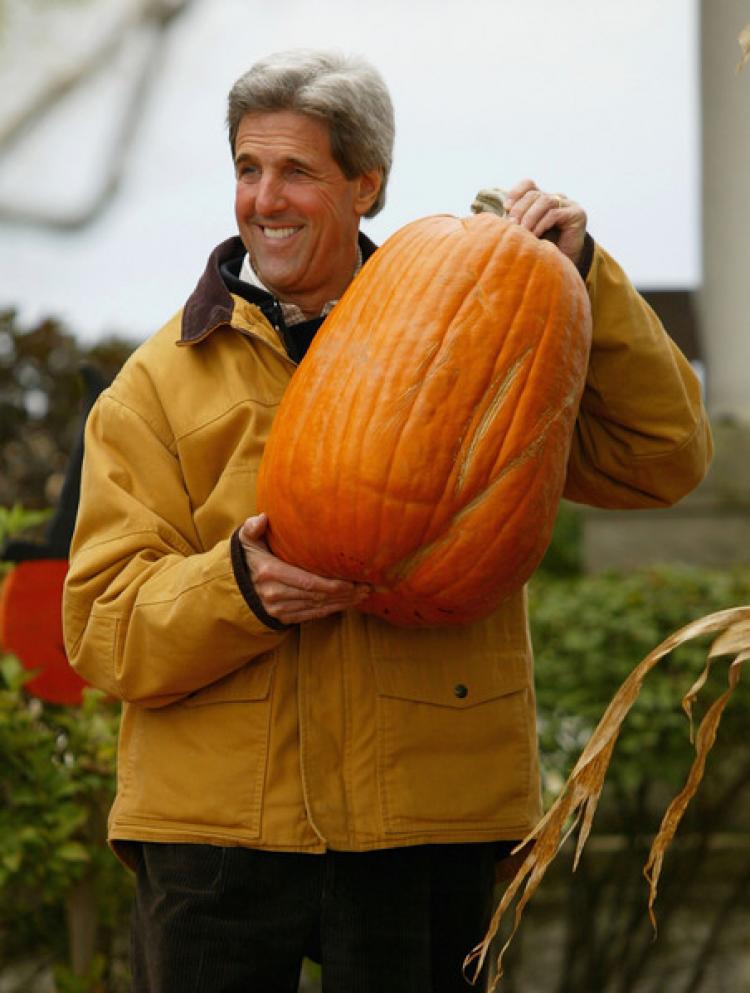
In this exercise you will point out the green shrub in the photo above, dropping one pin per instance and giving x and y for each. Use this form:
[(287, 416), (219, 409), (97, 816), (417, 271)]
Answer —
[(56, 788), (57, 780), (589, 632), (564, 556)]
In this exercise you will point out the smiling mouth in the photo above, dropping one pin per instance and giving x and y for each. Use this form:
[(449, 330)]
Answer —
[(278, 234)]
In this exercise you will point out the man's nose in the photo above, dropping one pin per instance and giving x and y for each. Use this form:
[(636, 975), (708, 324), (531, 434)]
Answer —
[(269, 195)]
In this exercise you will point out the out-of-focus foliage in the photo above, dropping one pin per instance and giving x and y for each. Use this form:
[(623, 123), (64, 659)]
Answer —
[(18, 521), (57, 774), (564, 556), (56, 786), (589, 632), (40, 404)]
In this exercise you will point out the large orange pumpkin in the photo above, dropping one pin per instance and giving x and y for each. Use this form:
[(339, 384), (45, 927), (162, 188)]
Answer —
[(421, 445)]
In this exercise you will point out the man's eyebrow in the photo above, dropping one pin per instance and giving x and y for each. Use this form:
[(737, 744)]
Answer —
[(293, 160), (242, 157)]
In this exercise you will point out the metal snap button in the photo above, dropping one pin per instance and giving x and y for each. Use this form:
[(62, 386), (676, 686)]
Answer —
[(460, 691)]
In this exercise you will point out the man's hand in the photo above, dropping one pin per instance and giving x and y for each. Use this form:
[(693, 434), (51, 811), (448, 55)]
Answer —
[(537, 211), (287, 593)]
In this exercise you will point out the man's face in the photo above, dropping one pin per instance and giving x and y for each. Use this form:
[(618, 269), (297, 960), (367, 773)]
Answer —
[(298, 215)]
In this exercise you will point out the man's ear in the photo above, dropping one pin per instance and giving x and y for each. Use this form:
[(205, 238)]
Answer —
[(368, 188)]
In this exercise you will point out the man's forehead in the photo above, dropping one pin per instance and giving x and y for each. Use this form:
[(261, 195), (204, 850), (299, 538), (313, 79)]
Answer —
[(283, 132)]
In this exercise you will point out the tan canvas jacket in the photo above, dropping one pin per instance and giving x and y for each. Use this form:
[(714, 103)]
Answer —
[(345, 733)]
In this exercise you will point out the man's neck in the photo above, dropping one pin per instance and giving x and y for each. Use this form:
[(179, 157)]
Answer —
[(297, 310)]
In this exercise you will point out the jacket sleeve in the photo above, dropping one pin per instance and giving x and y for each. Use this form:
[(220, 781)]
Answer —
[(642, 438), (149, 615)]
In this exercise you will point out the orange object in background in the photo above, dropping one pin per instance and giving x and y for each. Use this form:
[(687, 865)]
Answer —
[(31, 628)]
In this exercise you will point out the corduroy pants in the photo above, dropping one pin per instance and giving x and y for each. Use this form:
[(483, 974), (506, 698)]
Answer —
[(233, 920)]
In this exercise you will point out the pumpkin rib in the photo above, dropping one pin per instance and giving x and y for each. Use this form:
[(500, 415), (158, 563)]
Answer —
[(356, 410), (439, 357), (437, 364), (402, 275), (478, 414), (479, 297), (532, 395), (500, 392), (545, 421), (402, 570), (492, 547)]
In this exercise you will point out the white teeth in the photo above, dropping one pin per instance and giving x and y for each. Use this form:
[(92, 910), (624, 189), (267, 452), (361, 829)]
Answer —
[(279, 232)]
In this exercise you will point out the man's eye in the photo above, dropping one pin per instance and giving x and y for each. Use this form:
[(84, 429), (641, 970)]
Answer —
[(247, 172)]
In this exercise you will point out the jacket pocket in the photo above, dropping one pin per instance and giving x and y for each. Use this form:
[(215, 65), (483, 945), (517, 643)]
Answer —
[(202, 761), (455, 742)]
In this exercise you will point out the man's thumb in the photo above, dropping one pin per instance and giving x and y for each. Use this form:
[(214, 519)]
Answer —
[(254, 527)]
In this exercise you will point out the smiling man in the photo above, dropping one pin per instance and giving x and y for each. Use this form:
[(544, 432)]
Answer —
[(297, 213), (296, 777)]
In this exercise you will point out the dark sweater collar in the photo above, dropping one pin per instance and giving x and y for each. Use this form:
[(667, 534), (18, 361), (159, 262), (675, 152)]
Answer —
[(210, 305)]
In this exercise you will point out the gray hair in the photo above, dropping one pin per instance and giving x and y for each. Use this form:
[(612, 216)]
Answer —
[(346, 92)]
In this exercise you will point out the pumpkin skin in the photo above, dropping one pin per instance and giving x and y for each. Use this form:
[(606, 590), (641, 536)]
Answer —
[(421, 445)]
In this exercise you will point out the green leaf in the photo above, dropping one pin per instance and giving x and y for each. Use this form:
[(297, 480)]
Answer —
[(13, 673), (17, 519), (73, 851)]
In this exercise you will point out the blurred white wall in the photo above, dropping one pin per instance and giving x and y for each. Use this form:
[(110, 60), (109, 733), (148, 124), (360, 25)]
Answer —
[(597, 98)]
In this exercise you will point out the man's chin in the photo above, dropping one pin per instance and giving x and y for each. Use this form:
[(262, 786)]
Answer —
[(278, 279)]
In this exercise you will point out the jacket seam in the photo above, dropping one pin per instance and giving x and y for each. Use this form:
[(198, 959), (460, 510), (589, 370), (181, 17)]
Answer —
[(178, 547), (223, 413), (169, 445), (182, 592), (670, 452)]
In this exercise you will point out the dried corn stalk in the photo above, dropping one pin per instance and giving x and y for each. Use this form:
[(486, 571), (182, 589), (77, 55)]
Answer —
[(578, 800)]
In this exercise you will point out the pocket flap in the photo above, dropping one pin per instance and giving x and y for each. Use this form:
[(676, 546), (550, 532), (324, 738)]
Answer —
[(251, 682), (453, 682)]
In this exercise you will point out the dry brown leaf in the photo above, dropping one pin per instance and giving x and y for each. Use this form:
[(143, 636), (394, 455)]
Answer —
[(744, 40), (704, 742), (735, 639), (580, 795)]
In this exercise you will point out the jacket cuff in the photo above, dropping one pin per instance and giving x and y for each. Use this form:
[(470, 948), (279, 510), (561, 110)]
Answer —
[(245, 583), (587, 256)]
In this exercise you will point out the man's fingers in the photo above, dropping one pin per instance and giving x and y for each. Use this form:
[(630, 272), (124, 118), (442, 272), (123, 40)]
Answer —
[(519, 190), (532, 210), (294, 611), (274, 592), (548, 213), (288, 593), (268, 568), (254, 528), (270, 572)]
